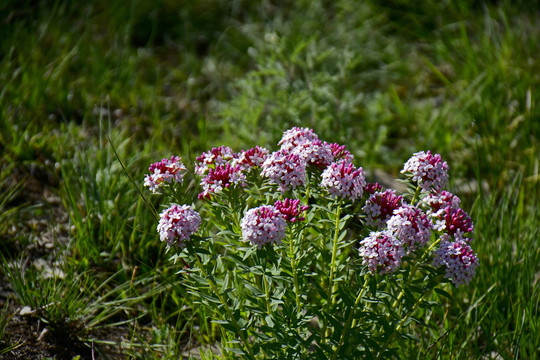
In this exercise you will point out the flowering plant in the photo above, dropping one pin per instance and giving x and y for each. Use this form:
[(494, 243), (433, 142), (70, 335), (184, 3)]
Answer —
[(296, 255)]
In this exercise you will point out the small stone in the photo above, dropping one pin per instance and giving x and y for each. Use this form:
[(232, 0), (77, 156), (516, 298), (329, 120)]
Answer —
[(27, 310)]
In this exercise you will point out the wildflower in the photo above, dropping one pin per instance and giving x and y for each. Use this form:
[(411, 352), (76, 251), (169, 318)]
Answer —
[(381, 250), (296, 136), (410, 225), (439, 201), (291, 209), (263, 225), (454, 221), (252, 157), (217, 156), (344, 180), (458, 258), (380, 207), (284, 169), (165, 171), (372, 188), (339, 152), (313, 152), (428, 170), (222, 176), (177, 224)]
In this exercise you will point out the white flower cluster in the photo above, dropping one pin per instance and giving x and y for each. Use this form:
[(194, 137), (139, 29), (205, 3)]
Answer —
[(429, 171), (177, 224), (381, 251), (458, 258), (263, 225), (410, 225), (344, 180), (165, 171), (284, 169)]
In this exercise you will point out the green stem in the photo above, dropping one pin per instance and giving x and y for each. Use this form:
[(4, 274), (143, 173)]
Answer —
[(416, 194), (331, 286), (225, 305), (351, 322), (292, 255), (413, 272)]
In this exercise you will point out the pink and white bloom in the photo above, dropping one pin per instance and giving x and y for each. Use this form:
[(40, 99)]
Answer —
[(344, 180), (428, 170), (381, 251), (296, 136), (216, 156), (436, 202), (253, 157), (458, 258), (313, 152), (284, 169), (380, 207), (165, 171), (291, 209), (221, 177), (339, 152), (177, 224), (410, 225), (263, 225), (454, 221)]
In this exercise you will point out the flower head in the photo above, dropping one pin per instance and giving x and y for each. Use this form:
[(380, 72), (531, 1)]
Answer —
[(217, 156), (458, 258), (454, 221), (339, 152), (284, 169), (380, 207), (263, 225), (428, 170), (381, 250), (220, 177), (410, 225), (372, 188), (344, 180), (251, 158), (177, 223), (291, 209), (313, 152), (165, 171), (296, 136), (439, 201)]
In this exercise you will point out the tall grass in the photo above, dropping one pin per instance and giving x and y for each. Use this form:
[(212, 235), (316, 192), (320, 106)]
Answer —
[(386, 79)]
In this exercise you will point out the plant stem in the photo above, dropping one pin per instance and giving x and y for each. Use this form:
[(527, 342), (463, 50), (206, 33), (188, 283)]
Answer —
[(292, 255), (351, 322), (331, 286), (225, 306)]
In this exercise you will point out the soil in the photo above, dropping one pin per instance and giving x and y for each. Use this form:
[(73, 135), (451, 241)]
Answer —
[(36, 233)]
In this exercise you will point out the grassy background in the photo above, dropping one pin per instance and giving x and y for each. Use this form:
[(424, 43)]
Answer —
[(160, 78)]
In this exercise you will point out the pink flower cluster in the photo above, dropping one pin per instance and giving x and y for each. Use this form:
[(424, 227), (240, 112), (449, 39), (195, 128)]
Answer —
[(284, 169), (177, 224), (410, 225), (300, 149), (220, 168), (428, 170), (217, 156), (380, 206), (381, 251), (263, 225), (344, 180), (165, 171), (458, 258), (291, 209), (221, 177)]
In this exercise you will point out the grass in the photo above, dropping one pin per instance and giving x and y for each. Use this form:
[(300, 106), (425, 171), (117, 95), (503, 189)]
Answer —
[(385, 79)]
